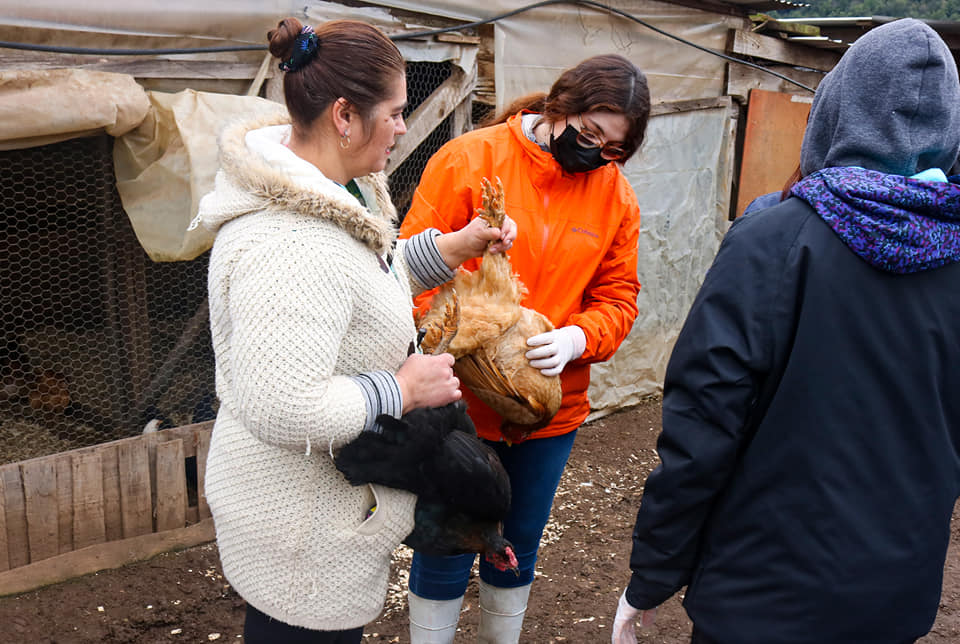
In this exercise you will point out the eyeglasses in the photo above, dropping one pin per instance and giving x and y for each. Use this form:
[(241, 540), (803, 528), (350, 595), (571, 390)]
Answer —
[(591, 140)]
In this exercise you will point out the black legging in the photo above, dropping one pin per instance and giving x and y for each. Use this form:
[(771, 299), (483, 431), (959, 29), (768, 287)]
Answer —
[(263, 629)]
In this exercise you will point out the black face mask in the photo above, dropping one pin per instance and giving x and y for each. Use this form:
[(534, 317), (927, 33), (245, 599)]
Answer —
[(572, 156)]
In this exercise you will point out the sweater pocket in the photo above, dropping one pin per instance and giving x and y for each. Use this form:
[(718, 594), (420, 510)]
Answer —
[(376, 515), (390, 513)]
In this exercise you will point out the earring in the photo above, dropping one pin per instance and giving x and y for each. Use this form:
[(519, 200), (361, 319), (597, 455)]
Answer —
[(344, 141)]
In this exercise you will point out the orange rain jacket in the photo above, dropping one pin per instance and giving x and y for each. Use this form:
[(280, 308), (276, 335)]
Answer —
[(576, 247)]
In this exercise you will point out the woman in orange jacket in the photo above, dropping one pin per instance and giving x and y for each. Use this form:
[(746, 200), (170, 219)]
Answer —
[(558, 156)]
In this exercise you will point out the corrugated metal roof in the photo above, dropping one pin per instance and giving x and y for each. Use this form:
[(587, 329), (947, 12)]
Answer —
[(838, 33), (765, 5)]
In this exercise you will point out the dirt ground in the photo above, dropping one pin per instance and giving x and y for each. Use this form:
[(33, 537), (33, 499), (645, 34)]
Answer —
[(183, 597)]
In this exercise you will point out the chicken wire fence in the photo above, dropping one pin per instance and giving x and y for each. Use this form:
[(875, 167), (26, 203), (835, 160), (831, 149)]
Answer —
[(97, 342)]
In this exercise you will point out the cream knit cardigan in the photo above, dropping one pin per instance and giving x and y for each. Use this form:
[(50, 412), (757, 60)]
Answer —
[(298, 303)]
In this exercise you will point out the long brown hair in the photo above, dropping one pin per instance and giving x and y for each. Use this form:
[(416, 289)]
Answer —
[(607, 83), (355, 61)]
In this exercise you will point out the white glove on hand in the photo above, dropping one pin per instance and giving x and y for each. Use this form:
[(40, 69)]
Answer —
[(556, 348), (627, 615)]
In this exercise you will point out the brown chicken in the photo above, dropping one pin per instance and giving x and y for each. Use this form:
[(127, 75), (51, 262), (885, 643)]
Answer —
[(491, 336)]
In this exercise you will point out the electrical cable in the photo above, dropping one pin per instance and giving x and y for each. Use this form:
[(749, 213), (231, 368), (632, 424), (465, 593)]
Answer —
[(409, 36)]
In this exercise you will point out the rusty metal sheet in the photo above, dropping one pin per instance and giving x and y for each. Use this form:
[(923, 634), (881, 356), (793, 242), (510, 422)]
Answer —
[(771, 143)]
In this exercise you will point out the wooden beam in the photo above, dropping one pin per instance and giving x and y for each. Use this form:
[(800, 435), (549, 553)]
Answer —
[(103, 556), (137, 67), (254, 89), (745, 43), (462, 118), (672, 107), (431, 113), (795, 28), (741, 79)]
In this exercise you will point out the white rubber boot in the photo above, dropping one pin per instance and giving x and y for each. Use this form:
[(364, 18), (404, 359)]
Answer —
[(501, 613), (433, 621)]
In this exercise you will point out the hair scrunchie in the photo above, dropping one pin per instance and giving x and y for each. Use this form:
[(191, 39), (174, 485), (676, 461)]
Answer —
[(304, 49)]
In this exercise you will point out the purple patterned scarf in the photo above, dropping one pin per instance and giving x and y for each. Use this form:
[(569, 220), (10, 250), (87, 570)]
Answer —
[(896, 224)]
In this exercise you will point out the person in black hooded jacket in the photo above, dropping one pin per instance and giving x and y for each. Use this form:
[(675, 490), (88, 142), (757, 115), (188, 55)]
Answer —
[(810, 453)]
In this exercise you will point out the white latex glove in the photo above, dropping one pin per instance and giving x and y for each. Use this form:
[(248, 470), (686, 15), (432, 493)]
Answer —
[(627, 616), (556, 348)]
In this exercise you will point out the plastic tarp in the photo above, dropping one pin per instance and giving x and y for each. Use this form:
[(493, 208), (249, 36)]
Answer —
[(528, 58), (684, 195), (41, 107), (166, 165)]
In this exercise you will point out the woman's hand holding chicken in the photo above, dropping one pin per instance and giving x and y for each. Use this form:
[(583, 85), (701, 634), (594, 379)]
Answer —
[(475, 238)]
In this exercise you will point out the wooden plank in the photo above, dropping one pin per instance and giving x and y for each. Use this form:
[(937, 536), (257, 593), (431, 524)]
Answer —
[(265, 66), (454, 37), (741, 79), (690, 105), (88, 525), (64, 465), (103, 556), (745, 43), (462, 119), (771, 143), (794, 28), (431, 113), (40, 491), (136, 508), (13, 60), (4, 559), (171, 486), (18, 553), (203, 448), (112, 519), (274, 91)]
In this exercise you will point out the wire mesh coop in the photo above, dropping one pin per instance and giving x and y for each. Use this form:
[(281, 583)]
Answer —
[(97, 342)]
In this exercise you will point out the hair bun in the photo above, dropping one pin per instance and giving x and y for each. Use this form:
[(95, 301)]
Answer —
[(283, 39)]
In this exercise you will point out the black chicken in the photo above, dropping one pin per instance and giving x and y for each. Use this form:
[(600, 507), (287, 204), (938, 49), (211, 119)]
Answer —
[(463, 492)]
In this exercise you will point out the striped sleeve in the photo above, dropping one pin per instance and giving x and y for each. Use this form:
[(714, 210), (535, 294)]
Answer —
[(381, 391), (425, 261)]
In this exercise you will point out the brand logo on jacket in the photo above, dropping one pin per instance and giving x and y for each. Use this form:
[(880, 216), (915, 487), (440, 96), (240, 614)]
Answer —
[(584, 231)]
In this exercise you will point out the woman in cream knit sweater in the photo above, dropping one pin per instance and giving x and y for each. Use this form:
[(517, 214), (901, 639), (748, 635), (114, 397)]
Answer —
[(310, 312)]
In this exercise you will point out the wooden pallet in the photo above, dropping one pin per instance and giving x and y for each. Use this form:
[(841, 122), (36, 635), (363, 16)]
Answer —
[(99, 507)]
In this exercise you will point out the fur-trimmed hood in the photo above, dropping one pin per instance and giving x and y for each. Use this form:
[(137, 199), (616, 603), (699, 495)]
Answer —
[(248, 183)]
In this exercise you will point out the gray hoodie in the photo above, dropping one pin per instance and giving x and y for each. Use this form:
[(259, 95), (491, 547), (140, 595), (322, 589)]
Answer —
[(866, 115)]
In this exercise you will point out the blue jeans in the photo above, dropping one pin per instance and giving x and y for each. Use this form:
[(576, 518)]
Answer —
[(535, 467)]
